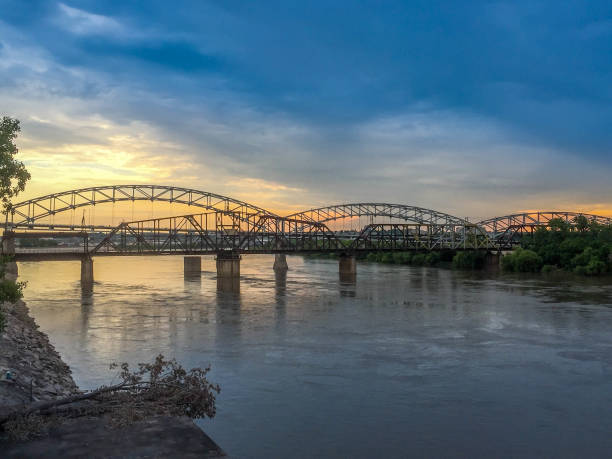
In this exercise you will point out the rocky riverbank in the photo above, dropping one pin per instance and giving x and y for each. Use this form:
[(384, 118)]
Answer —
[(31, 370)]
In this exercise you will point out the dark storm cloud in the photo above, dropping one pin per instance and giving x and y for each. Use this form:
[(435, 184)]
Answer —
[(281, 86)]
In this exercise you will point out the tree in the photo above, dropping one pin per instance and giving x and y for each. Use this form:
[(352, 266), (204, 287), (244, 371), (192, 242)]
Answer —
[(582, 223), (13, 174)]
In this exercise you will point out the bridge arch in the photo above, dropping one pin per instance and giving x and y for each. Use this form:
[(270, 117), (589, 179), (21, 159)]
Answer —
[(34, 210), (403, 212), (524, 221)]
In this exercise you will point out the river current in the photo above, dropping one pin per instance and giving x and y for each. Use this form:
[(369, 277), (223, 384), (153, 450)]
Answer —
[(404, 362)]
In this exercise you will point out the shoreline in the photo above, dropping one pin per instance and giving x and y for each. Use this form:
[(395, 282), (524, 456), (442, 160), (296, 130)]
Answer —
[(32, 370)]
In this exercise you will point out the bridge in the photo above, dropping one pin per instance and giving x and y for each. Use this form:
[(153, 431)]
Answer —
[(229, 228)]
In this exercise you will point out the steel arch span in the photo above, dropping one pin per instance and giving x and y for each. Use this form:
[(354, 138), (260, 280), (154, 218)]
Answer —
[(498, 225), (28, 213), (503, 230), (403, 212)]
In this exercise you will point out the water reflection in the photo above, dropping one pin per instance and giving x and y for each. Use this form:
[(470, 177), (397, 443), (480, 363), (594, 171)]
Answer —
[(192, 282), (280, 295), (228, 284), (347, 284)]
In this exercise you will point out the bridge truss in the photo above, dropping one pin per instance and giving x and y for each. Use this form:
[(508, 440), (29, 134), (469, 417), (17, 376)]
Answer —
[(32, 213), (228, 224), (400, 212), (215, 232), (416, 237), (506, 231), (218, 231)]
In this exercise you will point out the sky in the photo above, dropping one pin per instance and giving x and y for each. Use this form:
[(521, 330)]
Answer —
[(475, 108)]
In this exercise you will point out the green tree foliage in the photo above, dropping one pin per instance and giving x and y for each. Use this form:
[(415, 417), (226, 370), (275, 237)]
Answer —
[(10, 291), (13, 178), (583, 248), (13, 174), (522, 261), (469, 259), (405, 258)]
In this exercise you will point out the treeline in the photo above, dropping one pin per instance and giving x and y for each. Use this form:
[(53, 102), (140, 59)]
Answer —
[(406, 258), (460, 260), (36, 242), (583, 248)]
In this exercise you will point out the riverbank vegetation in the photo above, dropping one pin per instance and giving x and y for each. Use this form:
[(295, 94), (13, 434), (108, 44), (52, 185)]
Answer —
[(408, 258), (13, 178), (10, 291), (582, 248)]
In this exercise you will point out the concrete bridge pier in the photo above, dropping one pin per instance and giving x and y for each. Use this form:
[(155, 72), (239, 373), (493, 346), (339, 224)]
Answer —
[(348, 264), (87, 276), (492, 261), (228, 265), (8, 249), (347, 268), (192, 266), (280, 262)]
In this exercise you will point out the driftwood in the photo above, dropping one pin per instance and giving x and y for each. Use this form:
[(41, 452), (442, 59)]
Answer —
[(48, 404), (159, 388)]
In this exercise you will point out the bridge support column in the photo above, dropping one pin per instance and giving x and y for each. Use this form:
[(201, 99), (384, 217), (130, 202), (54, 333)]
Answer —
[(192, 265), (8, 249), (228, 265), (348, 264), (280, 262), (347, 268), (87, 276), (492, 261)]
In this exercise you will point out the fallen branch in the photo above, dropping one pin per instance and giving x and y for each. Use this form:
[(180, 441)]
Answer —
[(159, 388)]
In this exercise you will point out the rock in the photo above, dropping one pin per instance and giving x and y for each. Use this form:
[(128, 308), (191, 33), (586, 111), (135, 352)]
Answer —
[(27, 350)]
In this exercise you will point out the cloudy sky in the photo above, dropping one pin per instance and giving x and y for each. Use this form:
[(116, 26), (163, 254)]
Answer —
[(473, 108)]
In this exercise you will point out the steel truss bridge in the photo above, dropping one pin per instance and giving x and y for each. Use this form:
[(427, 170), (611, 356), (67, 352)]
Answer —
[(222, 224)]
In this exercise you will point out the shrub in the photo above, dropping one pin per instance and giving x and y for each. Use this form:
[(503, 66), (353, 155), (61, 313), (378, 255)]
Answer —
[(595, 267), (469, 260), (404, 258), (509, 262), (522, 261), (418, 259), (549, 268), (528, 261), (432, 258), (9, 291), (387, 258)]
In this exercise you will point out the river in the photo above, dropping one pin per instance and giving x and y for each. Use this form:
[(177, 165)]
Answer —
[(405, 362)]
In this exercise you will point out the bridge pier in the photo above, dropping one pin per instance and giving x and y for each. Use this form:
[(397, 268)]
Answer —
[(492, 261), (87, 276), (347, 268), (228, 265), (280, 262), (347, 264), (8, 249), (192, 265)]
